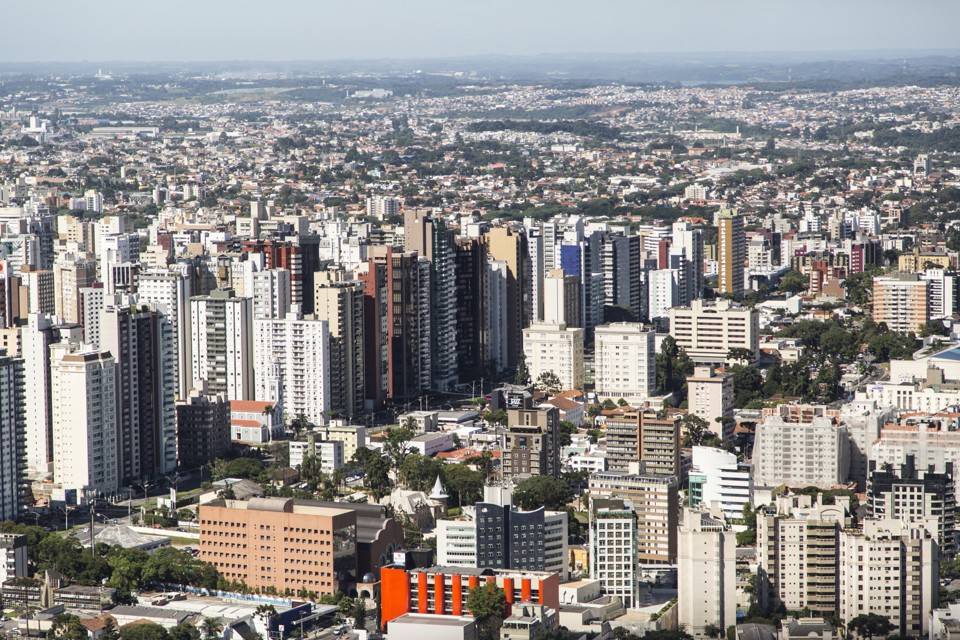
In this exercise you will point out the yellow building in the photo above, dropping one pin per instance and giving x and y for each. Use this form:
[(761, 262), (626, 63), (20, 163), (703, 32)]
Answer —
[(900, 301), (731, 252), (920, 261)]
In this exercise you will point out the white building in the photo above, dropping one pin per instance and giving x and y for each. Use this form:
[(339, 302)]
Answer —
[(625, 362), (800, 454), (706, 574), (614, 559), (169, 293), (295, 353), (708, 331), (13, 556), (222, 344), (328, 452), (716, 478), (556, 349), (663, 292), (271, 294), (84, 403)]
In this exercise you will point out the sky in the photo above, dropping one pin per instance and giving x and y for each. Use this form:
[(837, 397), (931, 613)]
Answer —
[(274, 30)]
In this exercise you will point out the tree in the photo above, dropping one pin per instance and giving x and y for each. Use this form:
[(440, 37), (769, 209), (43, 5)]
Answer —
[(376, 475), (463, 483), (793, 282), (397, 446), (110, 631), (697, 429), (542, 491), (934, 328), (143, 631), (549, 381), (185, 631), (212, 628), (488, 604), (67, 627), (870, 625), (359, 613), (747, 383), (522, 376), (419, 472)]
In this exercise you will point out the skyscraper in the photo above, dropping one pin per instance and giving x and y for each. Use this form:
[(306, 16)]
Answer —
[(12, 431), (140, 341), (506, 245), (71, 272), (169, 293), (339, 302), (706, 574), (222, 336), (731, 252)]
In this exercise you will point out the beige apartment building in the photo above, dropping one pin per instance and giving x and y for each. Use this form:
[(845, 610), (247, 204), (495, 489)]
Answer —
[(710, 397), (643, 436), (557, 349), (280, 544), (656, 503), (707, 331), (900, 301)]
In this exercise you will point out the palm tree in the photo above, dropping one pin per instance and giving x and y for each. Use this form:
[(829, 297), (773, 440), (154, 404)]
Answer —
[(212, 629)]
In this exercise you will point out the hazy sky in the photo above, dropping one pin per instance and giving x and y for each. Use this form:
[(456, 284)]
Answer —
[(153, 30)]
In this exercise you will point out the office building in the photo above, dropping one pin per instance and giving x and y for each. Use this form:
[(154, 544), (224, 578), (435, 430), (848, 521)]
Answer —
[(613, 549), (625, 362), (890, 568), (556, 349), (494, 534), (656, 501), (292, 364), (531, 446), (708, 331), (635, 436), (444, 590), (140, 342), (716, 478), (508, 246), (800, 453), (915, 495), (288, 545), (84, 405), (222, 344), (710, 397), (900, 301), (706, 574), (203, 429), (731, 253), (339, 302)]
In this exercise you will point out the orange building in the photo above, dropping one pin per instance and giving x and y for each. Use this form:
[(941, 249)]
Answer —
[(444, 590), (288, 545)]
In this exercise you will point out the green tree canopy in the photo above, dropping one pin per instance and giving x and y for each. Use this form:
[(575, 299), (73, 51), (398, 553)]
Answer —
[(542, 491), (488, 604)]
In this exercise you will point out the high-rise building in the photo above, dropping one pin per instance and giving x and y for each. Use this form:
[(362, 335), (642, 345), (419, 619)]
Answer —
[(717, 478), (890, 568), (203, 429), (506, 245), (643, 436), (13, 414), (169, 293), (706, 574), (140, 341), (613, 549), (84, 411), (901, 302), (40, 290), (798, 552), (496, 535), (71, 272), (532, 445), (688, 242), (620, 259), (473, 301), (800, 454), (708, 331), (625, 362), (339, 302), (915, 495), (656, 502), (430, 237), (710, 397), (92, 301), (396, 326), (561, 299), (271, 294), (731, 252), (536, 270), (222, 344), (295, 353), (556, 349), (300, 255)]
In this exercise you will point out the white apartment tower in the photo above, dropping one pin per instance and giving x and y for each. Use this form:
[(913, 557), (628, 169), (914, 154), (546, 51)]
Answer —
[(222, 344), (706, 573), (556, 349), (84, 418), (625, 362), (169, 293)]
